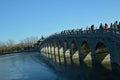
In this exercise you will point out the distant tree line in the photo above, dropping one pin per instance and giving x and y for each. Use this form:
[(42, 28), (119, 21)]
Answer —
[(11, 46)]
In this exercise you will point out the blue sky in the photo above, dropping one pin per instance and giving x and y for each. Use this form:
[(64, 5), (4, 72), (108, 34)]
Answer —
[(24, 18)]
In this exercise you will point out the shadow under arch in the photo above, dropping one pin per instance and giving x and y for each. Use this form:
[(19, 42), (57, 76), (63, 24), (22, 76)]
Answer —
[(103, 55), (86, 53), (46, 49), (48, 54), (55, 51), (66, 52), (60, 51), (75, 53), (52, 51), (43, 50)]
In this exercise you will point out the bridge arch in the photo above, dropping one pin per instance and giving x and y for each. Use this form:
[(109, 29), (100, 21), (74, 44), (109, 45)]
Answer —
[(65, 44), (54, 50), (44, 49), (50, 49), (75, 51), (86, 53), (56, 58), (60, 57), (66, 51), (47, 49), (103, 54)]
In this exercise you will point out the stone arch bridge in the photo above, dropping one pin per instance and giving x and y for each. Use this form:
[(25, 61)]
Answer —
[(91, 47)]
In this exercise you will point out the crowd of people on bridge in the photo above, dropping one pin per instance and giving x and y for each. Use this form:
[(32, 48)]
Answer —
[(113, 26)]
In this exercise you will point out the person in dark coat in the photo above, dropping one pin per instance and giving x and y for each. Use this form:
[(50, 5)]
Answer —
[(92, 27)]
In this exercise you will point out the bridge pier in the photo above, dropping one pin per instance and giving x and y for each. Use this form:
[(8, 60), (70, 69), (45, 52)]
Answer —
[(93, 58), (71, 54), (48, 51), (80, 55), (64, 50), (59, 54), (55, 53), (115, 59), (117, 53), (51, 51)]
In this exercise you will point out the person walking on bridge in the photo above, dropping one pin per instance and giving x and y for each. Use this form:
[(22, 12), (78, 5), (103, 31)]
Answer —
[(106, 27), (92, 27)]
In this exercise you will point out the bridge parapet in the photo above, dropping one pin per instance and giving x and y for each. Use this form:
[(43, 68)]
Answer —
[(86, 32)]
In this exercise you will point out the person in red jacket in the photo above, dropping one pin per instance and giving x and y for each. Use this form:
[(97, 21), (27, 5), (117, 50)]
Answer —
[(106, 26)]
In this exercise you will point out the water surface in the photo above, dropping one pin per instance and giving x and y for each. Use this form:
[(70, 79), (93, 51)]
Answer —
[(33, 66)]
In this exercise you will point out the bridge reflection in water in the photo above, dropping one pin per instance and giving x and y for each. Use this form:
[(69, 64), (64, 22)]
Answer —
[(82, 70)]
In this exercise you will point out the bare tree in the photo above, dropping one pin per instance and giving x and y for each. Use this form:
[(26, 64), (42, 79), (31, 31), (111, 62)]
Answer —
[(30, 41), (11, 46), (10, 43)]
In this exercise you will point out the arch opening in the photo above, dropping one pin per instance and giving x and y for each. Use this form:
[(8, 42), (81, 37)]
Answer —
[(47, 48), (52, 51), (45, 51), (60, 56), (103, 55), (86, 54), (42, 50), (67, 52), (49, 51), (75, 53), (56, 52)]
